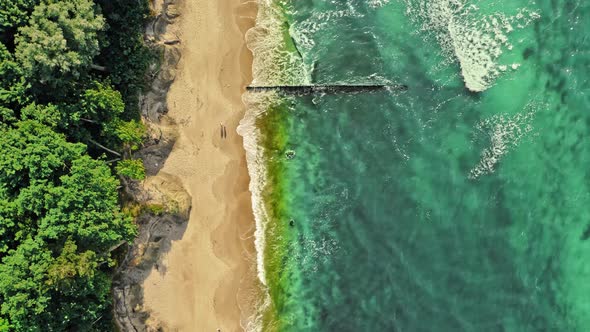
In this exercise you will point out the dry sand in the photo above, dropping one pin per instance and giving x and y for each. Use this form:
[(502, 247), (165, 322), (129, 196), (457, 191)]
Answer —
[(209, 275)]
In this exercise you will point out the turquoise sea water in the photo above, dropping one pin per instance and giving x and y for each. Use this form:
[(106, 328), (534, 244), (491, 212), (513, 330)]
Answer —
[(461, 204)]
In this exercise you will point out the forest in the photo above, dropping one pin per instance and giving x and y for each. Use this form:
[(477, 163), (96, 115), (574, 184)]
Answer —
[(71, 72)]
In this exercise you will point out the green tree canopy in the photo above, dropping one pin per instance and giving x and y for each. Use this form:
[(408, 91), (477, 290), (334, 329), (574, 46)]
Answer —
[(49, 115), (46, 291), (59, 203), (13, 14), (102, 103), (32, 152), (12, 86), (4, 325), (125, 21), (95, 113), (131, 134), (59, 218), (131, 168), (60, 41), (51, 188)]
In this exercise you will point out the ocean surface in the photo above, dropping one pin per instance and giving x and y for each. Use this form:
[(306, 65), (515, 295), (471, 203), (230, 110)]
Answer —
[(461, 204)]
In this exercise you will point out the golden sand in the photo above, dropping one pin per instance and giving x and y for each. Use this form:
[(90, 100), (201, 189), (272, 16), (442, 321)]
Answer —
[(209, 274)]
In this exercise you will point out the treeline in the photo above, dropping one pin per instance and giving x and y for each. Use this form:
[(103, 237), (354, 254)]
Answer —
[(70, 74)]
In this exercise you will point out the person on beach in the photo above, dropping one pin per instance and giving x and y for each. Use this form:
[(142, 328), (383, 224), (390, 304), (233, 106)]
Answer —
[(223, 131)]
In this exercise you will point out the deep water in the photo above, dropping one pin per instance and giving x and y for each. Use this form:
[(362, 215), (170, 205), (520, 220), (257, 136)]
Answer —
[(438, 208)]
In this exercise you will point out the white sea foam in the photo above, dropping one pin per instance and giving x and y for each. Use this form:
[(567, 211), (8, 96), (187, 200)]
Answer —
[(273, 64), (318, 21), (505, 132), (475, 40), (256, 106), (316, 252), (378, 3), (303, 31)]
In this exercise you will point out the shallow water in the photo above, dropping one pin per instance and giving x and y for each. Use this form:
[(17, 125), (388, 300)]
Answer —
[(461, 204)]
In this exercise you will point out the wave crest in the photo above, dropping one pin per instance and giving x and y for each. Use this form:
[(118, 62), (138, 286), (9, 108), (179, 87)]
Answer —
[(505, 133), (274, 62), (474, 41)]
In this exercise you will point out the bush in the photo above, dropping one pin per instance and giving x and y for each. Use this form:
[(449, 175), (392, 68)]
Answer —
[(131, 168)]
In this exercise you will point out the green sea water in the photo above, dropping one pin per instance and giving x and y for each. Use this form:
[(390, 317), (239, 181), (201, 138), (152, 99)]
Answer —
[(461, 204)]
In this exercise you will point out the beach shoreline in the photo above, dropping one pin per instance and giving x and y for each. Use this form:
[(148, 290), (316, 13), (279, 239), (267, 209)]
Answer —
[(207, 281)]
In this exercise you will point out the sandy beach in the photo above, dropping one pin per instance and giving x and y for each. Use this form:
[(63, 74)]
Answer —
[(207, 279)]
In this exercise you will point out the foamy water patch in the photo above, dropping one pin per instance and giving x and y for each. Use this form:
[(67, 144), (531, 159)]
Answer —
[(274, 63), (378, 3), (304, 31), (315, 252), (476, 41), (255, 322), (256, 105), (505, 133)]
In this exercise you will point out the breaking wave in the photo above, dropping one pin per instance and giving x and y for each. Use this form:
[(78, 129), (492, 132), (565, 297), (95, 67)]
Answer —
[(474, 40), (275, 62), (505, 132)]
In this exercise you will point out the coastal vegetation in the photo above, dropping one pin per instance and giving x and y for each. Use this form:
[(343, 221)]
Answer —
[(70, 75)]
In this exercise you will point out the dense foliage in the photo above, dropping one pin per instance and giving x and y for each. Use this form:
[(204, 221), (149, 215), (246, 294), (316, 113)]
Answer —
[(59, 216), (70, 74), (124, 51), (59, 42), (14, 14)]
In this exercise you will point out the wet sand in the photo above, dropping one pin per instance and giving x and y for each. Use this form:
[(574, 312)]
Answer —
[(208, 280)]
